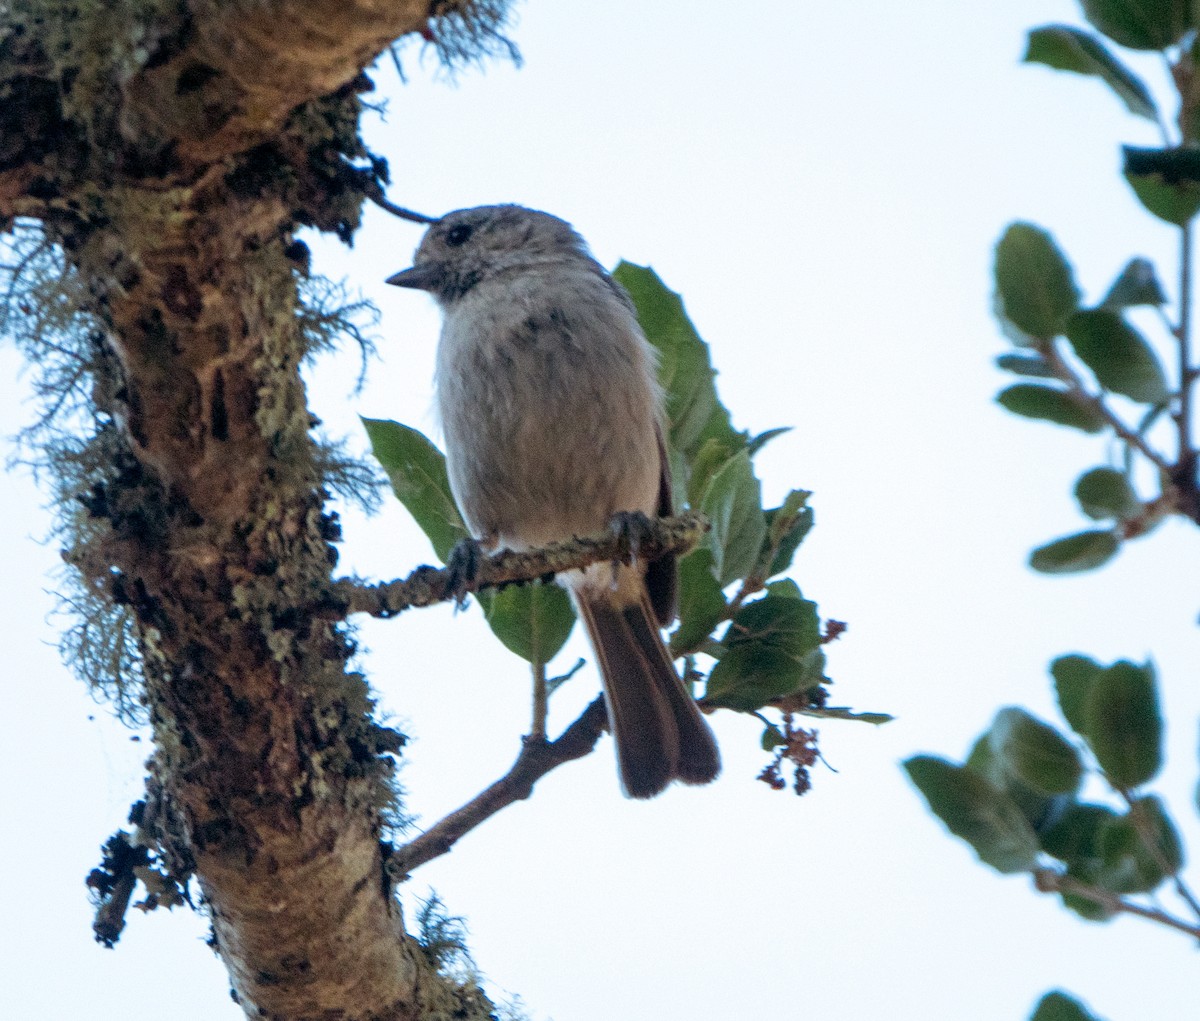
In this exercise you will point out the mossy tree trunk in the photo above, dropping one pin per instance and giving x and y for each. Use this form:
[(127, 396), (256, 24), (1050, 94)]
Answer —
[(169, 150)]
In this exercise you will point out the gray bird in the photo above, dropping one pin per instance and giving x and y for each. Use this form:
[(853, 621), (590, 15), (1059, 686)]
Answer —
[(552, 414)]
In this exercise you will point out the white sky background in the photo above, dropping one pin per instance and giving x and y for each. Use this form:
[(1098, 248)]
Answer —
[(824, 184)]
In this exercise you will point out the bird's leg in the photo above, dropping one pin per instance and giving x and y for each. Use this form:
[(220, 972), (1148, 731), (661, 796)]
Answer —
[(633, 527), (462, 567)]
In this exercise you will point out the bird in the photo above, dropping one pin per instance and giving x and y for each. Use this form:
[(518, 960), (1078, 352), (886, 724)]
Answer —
[(553, 420)]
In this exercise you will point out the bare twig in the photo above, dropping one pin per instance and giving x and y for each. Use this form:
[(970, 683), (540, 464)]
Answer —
[(1183, 334), (537, 758), (537, 730), (1183, 472), (1050, 881), (376, 195), (428, 585), (1151, 845), (1066, 374)]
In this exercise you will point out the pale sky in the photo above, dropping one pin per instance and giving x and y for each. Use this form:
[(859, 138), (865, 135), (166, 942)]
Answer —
[(824, 184)]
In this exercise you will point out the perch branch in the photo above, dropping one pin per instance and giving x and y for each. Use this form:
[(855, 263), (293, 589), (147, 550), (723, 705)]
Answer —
[(428, 585), (537, 758)]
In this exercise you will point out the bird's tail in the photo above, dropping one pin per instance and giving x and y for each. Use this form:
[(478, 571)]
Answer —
[(659, 732)]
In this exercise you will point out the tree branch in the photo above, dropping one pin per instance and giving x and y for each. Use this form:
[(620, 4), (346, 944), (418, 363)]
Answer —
[(1183, 472), (203, 488), (1184, 335), (429, 585), (1066, 374), (243, 66), (537, 758), (374, 192), (1050, 881), (1150, 843)]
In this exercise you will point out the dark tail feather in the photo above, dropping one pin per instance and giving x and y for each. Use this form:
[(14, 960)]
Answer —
[(659, 733), (641, 721), (699, 760)]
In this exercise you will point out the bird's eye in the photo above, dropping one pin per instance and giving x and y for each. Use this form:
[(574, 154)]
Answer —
[(455, 236)]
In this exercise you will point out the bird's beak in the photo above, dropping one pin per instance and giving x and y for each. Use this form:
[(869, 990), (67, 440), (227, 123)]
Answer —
[(420, 278)]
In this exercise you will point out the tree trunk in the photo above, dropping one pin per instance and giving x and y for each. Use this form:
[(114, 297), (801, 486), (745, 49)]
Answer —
[(171, 150)]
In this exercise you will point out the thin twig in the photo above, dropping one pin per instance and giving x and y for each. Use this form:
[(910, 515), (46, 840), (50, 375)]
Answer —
[(376, 195), (1049, 881), (541, 702), (1183, 473), (1066, 374), (1183, 334), (1156, 852), (537, 758), (429, 585), (1173, 72)]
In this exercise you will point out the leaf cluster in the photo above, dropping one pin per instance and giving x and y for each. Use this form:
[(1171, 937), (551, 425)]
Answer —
[(1089, 367), (1022, 799), (1038, 304), (1019, 800)]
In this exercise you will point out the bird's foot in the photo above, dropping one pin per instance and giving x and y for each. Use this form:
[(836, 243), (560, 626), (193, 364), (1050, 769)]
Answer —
[(462, 569), (633, 527)]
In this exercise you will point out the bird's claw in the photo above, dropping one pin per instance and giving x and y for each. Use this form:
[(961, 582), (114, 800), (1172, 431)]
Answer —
[(634, 527), (462, 569)]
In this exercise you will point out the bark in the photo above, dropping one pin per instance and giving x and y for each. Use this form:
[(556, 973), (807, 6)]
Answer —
[(171, 150)]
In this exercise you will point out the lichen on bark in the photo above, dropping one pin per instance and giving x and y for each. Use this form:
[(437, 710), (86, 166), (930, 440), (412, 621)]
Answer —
[(156, 161)]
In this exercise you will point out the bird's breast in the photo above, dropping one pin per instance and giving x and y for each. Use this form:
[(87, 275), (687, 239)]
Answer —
[(548, 403)]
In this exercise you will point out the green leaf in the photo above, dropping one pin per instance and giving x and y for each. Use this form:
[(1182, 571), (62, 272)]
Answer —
[(841, 713), (978, 812), (1123, 723), (1084, 551), (772, 738), (785, 588), (1035, 752), (1160, 838), (1058, 1006), (417, 470), (787, 525), (1105, 493), (1070, 49), (694, 412), (709, 459), (1140, 24), (784, 622), (1035, 287), (1118, 355), (1025, 365), (1137, 285), (733, 505), (1052, 405), (1166, 181), (1038, 808), (531, 620), (680, 477), (1139, 850), (748, 677), (772, 649), (1073, 679), (1085, 907), (1075, 838), (1017, 336), (701, 602), (1122, 869), (756, 443)]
